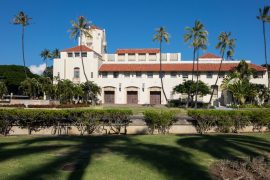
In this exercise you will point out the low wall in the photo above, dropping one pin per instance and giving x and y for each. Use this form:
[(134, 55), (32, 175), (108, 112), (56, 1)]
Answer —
[(184, 125), (27, 102)]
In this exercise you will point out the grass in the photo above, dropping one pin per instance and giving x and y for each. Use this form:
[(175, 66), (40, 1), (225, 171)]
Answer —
[(123, 157), (139, 109)]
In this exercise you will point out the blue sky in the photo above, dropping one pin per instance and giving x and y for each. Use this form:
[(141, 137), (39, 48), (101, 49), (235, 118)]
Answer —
[(130, 24)]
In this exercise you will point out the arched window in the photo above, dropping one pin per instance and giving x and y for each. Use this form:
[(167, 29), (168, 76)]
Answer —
[(76, 72)]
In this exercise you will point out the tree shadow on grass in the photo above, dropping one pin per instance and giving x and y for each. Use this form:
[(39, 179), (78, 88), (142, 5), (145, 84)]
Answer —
[(170, 161), (227, 146)]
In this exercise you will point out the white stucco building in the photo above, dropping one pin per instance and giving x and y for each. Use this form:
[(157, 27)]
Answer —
[(131, 76)]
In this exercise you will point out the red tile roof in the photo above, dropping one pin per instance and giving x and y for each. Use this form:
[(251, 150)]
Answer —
[(145, 50), (78, 49), (209, 56), (95, 27), (170, 67)]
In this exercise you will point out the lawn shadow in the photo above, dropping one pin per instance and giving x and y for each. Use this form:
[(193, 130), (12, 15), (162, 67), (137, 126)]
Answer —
[(170, 161), (226, 146)]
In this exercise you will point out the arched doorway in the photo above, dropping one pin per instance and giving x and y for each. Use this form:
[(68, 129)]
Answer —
[(109, 95), (132, 95), (155, 95)]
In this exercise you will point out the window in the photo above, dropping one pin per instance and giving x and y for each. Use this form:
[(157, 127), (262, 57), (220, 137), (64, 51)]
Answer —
[(221, 75), (215, 90), (127, 75), (77, 54), (121, 57), (115, 74), (84, 54), (131, 57), (92, 75), (152, 56), (209, 75), (142, 56), (173, 74), (258, 75), (104, 74), (138, 74), (150, 74), (185, 75), (76, 72), (70, 54), (161, 75), (58, 74)]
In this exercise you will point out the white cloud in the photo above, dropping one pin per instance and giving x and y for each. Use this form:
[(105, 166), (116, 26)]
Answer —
[(37, 69)]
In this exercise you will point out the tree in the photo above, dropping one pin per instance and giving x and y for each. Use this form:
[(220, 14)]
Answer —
[(189, 87), (197, 36), (45, 55), (3, 89), (13, 75), (48, 72), (160, 36), (31, 87), (55, 53), (78, 30), (47, 86), (22, 19), (238, 83), (264, 17), (91, 90), (225, 44)]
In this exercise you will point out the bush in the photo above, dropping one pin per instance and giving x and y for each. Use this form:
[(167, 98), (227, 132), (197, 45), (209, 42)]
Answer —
[(13, 105), (160, 120), (84, 120), (229, 120), (117, 119), (253, 168), (59, 106)]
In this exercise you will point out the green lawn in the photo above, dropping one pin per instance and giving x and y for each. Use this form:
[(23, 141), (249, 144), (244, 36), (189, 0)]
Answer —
[(123, 157), (139, 109)]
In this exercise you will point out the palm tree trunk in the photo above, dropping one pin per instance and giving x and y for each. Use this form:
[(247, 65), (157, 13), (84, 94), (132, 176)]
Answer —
[(160, 72), (265, 56), (197, 80), (23, 52), (192, 79), (219, 70), (84, 69)]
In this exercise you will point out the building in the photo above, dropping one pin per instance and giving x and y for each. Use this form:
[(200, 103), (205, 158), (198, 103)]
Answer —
[(131, 76)]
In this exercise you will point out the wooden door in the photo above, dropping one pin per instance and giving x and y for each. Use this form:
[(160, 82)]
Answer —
[(109, 97), (155, 97), (132, 97)]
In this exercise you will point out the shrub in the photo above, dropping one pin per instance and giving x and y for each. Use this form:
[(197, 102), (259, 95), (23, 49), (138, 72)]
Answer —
[(59, 106), (84, 120), (253, 168), (229, 120), (117, 119), (160, 120), (13, 105)]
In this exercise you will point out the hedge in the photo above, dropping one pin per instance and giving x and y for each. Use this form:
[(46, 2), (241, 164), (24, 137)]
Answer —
[(159, 120), (85, 120), (229, 120)]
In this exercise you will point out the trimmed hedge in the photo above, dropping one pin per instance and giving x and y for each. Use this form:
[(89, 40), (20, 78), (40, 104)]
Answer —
[(159, 120), (85, 120), (229, 120)]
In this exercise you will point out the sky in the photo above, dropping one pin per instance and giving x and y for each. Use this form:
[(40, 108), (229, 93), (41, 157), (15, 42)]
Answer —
[(130, 24)]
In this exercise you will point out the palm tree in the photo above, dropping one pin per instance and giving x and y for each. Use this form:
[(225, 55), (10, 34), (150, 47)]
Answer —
[(225, 44), (22, 19), (160, 36), (264, 17), (78, 30), (45, 54), (197, 36), (55, 53)]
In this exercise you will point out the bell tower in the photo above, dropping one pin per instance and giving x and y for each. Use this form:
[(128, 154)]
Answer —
[(97, 42)]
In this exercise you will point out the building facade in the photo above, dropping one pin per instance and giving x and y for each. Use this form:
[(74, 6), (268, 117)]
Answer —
[(131, 76)]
